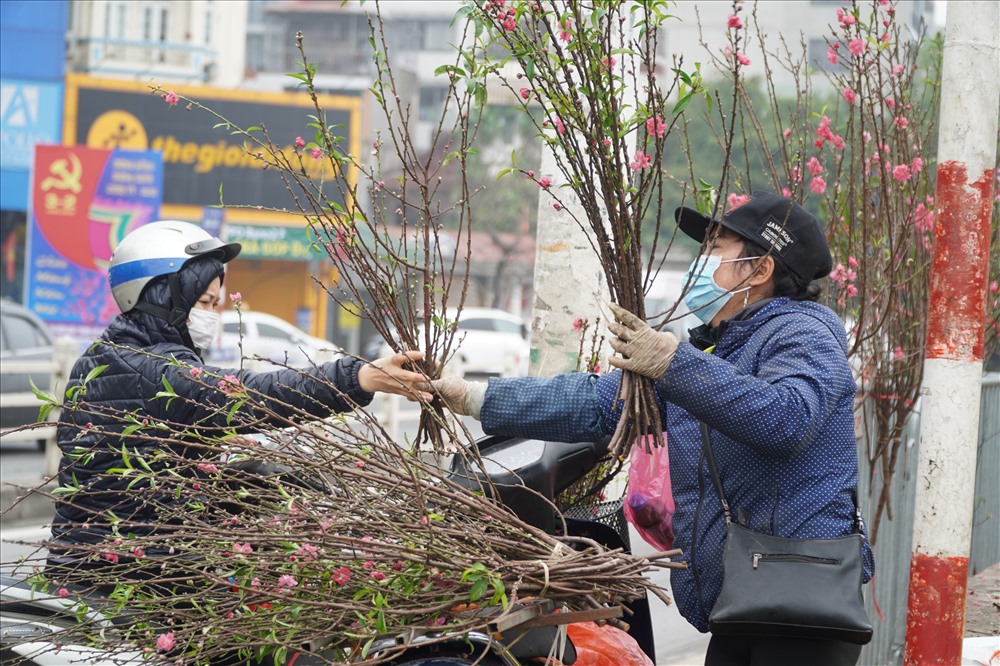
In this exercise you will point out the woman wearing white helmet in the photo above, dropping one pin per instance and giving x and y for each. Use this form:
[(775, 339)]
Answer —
[(166, 277)]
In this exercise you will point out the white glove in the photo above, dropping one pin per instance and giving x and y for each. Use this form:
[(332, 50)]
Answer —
[(462, 397), (642, 349)]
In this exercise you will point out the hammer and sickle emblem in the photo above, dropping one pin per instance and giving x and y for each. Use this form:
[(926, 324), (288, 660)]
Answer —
[(66, 175)]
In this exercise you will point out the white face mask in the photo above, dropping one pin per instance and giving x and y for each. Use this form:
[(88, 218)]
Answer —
[(203, 326)]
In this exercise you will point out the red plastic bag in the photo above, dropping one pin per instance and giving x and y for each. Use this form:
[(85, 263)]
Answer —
[(649, 501), (605, 646)]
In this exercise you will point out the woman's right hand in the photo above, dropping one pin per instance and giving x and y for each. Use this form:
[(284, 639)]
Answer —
[(387, 375)]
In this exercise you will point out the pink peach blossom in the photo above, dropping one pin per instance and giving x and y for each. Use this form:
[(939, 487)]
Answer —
[(641, 161), (655, 126), (165, 642), (901, 172), (736, 200)]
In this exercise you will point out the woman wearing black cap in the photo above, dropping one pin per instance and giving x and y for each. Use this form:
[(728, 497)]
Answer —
[(775, 390), (166, 277)]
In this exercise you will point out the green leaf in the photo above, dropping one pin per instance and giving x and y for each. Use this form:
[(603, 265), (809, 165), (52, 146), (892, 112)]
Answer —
[(529, 68), (478, 589), (94, 373), (42, 395), (461, 14), (682, 103)]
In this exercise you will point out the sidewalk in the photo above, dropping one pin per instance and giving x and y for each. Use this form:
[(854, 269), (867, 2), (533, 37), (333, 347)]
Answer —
[(18, 504)]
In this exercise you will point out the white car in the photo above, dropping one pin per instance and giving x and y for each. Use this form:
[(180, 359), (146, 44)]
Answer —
[(273, 339), (492, 342), (488, 341)]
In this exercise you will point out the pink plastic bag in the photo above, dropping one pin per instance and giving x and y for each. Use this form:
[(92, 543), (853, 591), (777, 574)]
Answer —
[(649, 501)]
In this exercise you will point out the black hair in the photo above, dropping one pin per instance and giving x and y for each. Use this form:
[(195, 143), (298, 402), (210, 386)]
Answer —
[(786, 283)]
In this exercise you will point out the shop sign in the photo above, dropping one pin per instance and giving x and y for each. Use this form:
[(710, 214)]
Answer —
[(272, 242), (205, 162), (29, 115)]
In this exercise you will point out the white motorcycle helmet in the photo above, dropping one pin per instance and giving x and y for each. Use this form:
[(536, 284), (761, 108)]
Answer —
[(159, 248)]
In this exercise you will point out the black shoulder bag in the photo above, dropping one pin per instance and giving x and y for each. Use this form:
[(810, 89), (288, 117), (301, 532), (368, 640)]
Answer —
[(796, 588)]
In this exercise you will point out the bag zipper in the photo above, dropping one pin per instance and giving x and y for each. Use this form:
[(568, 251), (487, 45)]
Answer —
[(787, 557)]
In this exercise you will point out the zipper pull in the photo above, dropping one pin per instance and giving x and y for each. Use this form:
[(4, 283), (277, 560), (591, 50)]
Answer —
[(756, 559)]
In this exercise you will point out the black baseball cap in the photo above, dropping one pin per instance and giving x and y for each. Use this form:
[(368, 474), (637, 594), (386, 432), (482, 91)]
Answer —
[(794, 235)]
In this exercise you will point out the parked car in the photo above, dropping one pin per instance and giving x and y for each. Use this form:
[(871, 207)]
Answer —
[(488, 342), (23, 337), (492, 342), (271, 338)]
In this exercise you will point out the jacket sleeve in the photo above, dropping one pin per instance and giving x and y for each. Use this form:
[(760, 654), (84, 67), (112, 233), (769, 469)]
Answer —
[(208, 392), (563, 408), (801, 377)]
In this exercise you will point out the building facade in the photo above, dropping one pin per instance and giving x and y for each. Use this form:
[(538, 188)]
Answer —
[(696, 26), (197, 42)]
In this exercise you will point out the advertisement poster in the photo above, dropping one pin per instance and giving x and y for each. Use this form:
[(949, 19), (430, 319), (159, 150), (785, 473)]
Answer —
[(83, 202)]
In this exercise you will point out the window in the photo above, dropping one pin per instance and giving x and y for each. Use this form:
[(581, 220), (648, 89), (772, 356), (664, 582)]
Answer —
[(505, 326), (476, 325), (431, 102), (231, 327), (155, 20), (22, 334), (208, 25), (817, 56), (255, 12), (164, 15), (438, 35), (269, 331), (114, 20)]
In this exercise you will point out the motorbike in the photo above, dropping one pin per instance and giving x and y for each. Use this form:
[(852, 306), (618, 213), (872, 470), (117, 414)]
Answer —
[(521, 471)]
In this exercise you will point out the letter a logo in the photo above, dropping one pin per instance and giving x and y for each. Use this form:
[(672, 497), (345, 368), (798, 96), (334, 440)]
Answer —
[(19, 106)]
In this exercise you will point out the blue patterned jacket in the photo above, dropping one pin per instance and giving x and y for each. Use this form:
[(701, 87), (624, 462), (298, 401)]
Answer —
[(777, 393)]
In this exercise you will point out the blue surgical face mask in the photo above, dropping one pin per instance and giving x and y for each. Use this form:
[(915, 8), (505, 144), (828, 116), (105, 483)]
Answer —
[(705, 298)]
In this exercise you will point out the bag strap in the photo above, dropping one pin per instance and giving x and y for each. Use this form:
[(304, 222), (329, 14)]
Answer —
[(706, 444), (716, 481)]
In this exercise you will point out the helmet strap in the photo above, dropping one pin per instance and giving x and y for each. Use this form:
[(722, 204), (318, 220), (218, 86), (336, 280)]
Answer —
[(176, 316)]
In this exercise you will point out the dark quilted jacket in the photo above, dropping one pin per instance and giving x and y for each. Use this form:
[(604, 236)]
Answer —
[(128, 384), (140, 351)]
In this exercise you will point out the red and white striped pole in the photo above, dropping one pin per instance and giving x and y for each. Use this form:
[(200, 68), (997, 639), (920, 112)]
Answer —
[(949, 420)]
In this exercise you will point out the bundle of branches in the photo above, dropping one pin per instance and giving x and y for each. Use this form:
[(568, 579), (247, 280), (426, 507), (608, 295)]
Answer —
[(592, 68), (396, 265), (862, 159), (324, 537)]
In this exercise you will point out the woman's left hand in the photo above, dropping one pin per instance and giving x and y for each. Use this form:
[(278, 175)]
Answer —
[(642, 349), (387, 375)]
